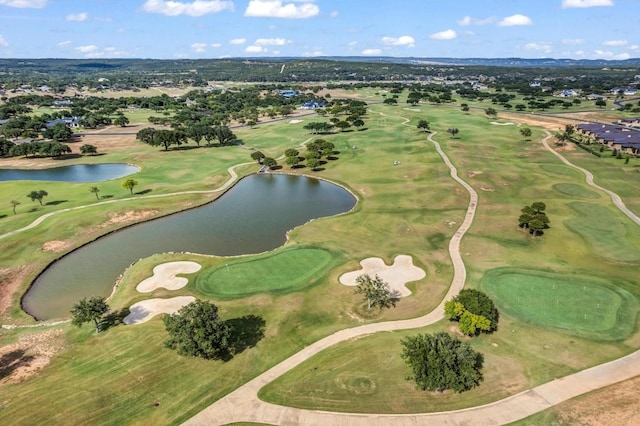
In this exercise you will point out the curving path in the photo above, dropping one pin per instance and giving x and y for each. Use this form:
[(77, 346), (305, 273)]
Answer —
[(38, 221), (243, 403)]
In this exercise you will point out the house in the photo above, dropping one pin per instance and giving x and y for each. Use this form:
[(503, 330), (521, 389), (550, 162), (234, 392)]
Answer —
[(630, 122), (288, 93), (67, 121), (568, 93), (62, 102), (594, 97), (312, 105)]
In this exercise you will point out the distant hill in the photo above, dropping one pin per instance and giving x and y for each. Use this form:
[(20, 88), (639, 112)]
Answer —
[(492, 62)]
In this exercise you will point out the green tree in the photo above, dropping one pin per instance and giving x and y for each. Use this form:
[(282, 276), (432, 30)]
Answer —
[(390, 101), (14, 204), (95, 190), (257, 156), (474, 310), (375, 291), (269, 162), (423, 125), (491, 112), (292, 161), (121, 120), (358, 123), (453, 131), (88, 149), (313, 163), (197, 330), (291, 152), (526, 133), (87, 310), (601, 103), (37, 195), (130, 184), (439, 362)]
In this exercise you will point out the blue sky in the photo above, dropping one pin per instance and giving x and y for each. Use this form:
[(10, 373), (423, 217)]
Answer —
[(576, 29)]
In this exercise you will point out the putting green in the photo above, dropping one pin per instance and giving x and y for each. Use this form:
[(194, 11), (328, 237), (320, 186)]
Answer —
[(283, 272), (577, 305)]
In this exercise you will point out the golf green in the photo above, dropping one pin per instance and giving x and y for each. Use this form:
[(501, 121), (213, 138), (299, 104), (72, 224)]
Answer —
[(282, 272), (577, 305)]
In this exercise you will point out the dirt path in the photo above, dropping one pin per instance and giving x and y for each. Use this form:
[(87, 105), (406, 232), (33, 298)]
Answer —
[(243, 403)]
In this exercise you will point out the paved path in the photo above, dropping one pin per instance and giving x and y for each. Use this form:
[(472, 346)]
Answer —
[(244, 405), (233, 177)]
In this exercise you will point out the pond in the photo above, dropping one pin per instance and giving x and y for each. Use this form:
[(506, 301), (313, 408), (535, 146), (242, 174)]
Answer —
[(252, 217), (76, 173)]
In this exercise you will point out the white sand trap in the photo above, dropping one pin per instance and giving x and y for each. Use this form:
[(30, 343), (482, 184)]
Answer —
[(397, 275), (495, 123), (411, 109), (143, 311), (295, 121), (164, 275)]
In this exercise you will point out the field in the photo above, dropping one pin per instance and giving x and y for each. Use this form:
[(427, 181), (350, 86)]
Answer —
[(590, 254)]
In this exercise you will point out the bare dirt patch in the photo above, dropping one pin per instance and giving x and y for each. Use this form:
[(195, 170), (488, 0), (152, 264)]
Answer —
[(613, 405), (10, 281), (32, 352), (128, 216), (474, 173), (56, 246)]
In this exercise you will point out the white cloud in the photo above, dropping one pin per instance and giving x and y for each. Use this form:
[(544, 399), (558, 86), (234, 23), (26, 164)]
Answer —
[(238, 41), (615, 43), (444, 35), (255, 49), (605, 54), (22, 4), (3, 42), (544, 46), (108, 52), (199, 47), (572, 41), (569, 4), (634, 47), (64, 43), (216, 45), (352, 43), (77, 17), (371, 52), (334, 14), (270, 42), (194, 8), (277, 9), (87, 49), (400, 41), (468, 20), (515, 20)]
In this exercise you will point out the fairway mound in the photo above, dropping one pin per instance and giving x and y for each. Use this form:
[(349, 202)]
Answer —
[(164, 276), (143, 311), (397, 275)]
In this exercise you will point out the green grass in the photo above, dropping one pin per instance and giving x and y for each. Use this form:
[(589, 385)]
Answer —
[(604, 231), (413, 208), (279, 273), (576, 305)]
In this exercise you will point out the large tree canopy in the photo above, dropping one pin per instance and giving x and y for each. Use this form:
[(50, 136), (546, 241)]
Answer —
[(197, 330), (87, 310), (439, 362), (474, 310)]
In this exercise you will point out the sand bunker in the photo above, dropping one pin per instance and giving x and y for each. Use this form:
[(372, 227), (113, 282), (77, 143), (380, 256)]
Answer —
[(143, 311), (411, 109), (495, 123), (397, 275), (295, 121), (164, 276)]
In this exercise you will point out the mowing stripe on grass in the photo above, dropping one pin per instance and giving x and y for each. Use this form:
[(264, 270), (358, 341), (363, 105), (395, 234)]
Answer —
[(283, 272), (577, 305)]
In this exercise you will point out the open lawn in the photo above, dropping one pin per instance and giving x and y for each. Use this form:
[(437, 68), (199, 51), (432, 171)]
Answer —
[(410, 208)]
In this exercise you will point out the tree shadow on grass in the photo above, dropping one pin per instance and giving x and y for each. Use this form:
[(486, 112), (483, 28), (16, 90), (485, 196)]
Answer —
[(106, 196), (2, 216), (246, 332), (113, 319), (145, 191), (13, 360), (55, 203)]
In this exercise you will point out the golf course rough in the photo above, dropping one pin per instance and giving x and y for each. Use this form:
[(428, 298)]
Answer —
[(277, 273), (582, 306)]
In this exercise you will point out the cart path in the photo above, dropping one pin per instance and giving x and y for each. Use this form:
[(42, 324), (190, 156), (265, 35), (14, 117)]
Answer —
[(233, 177), (243, 403)]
